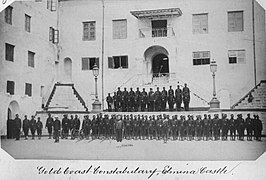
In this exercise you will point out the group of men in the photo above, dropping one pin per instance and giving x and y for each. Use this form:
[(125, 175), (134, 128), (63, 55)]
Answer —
[(147, 127), (148, 101)]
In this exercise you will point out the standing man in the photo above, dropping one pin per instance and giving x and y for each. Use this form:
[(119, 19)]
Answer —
[(131, 100), (137, 100), (39, 127), (171, 97), (119, 126), (125, 100), (249, 127), (151, 100), (17, 124), (144, 100), (49, 125), (115, 100), (157, 100), (258, 128), (119, 99), (224, 127), (232, 127), (26, 127), (163, 99), (186, 97), (109, 101), (165, 129), (57, 127), (65, 127), (178, 98), (33, 126)]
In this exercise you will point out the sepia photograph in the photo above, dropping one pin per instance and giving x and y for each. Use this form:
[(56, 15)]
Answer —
[(133, 80)]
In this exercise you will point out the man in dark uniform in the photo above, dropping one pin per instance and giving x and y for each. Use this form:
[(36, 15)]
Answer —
[(215, 126), (225, 127), (157, 100), (125, 100), (165, 129), (241, 127), (39, 127), (232, 127), (258, 128), (142, 127), (119, 126), (171, 97), (112, 128), (205, 127), (146, 126), (26, 126), (49, 125), (131, 100), (178, 98), (163, 99), (57, 127), (71, 123), (210, 125), (109, 101), (86, 126), (127, 127), (151, 100), (175, 127), (65, 127), (76, 127), (135, 127), (186, 97), (115, 100), (137, 100), (198, 127), (119, 99), (17, 128), (94, 127), (170, 127), (33, 126), (144, 100), (249, 127), (189, 127)]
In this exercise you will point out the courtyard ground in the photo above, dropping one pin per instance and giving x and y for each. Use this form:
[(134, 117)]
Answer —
[(134, 150)]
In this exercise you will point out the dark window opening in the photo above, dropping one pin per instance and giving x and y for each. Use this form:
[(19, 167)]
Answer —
[(28, 89), (10, 88)]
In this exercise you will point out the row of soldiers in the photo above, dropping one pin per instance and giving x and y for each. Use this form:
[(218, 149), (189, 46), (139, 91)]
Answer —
[(148, 101), (160, 127)]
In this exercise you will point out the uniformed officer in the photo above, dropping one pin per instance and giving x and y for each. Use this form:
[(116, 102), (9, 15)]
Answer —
[(142, 127), (258, 128), (215, 126), (115, 100), (137, 100), (71, 123), (170, 127), (65, 127), (26, 126), (112, 128), (171, 98), (57, 127), (131, 100), (178, 98), (198, 127), (175, 127), (210, 125), (165, 129), (76, 127), (157, 100), (241, 127), (39, 127), (186, 97), (205, 127), (249, 127), (151, 100), (232, 127), (49, 125), (86, 126), (225, 127), (33, 126), (189, 126), (181, 127), (163, 99), (144, 100), (150, 128), (109, 101), (17, 126), (119, 99), (146, 126), (94, 127), (119, 126), (125, 100), (127, 127)]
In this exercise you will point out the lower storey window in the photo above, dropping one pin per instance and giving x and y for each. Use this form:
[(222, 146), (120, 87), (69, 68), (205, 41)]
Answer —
[(28, 89), (117, 62), (236, 56), (10, 87), (201, 58)]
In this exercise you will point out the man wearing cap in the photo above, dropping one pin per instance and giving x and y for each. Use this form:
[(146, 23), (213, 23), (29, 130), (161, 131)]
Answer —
[(137, 100), (119, 125), (232, 127), (17, 126), (178, 98), (225, 126), (163, 99), (249, 127), (151, 100), (115, 100), (258, 128), (33, 126), (57, 127), (119, 99), (186, 97), (65, 127), (171, 97), (125, 100), (49, 125), (157, 100), (109, 101), (131, 100), (241, 127), (144, 100), (26, 126)]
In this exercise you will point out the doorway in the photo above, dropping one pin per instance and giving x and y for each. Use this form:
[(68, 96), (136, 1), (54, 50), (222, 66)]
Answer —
[(160, 65)]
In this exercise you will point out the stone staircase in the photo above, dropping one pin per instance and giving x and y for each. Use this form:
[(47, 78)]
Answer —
[(64, 97), (259, 98)]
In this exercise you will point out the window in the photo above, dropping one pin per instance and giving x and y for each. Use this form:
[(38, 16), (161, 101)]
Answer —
[(10, 87), (28, 89), (53, 35), (116, 62), (89, 31), (8, 15), (9, 52), (159, 28), (88, 63), (51, 5), (120, 29), (200, 23), (235, 21), (236, 56), (201, 58), (31, 59), (27, 23)]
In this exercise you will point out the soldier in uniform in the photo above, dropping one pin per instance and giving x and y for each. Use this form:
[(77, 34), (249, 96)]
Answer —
[(109, 101), (189, 127), (33, 126), (86, 126), (49, 125), (131, 102), (112, 128), (165, 127), (119, 126), (70, 123), (241, 127), (127, 127), (137, 100), (142, 127), (186, 97), (115, 102), (170, 127), (210, 125), (57, 127), (119, 99), (249, 127), (146, 126), (258, 128), (163, 99), (39, 127), (135, 127), (171, 97), (175, 127), (26, 126), (232, 127), (198, 128), (17, 126), (178, 98), (151, 100), (65, 127), (157, 100), (144, 100), (181, 126), (225, 127), (75, 127), (94, 127), (124, 100), (205, 127)]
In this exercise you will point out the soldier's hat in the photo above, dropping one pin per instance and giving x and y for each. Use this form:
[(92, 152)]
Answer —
[(232, 115), (205, 115), (248, 114)]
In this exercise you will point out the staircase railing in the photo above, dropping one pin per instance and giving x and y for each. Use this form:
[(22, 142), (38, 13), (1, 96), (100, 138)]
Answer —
[(246, 95), (50, 97), (79, 98)]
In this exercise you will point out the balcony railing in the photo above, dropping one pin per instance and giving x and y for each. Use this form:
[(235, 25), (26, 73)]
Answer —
[(156, 32), (161, 78)]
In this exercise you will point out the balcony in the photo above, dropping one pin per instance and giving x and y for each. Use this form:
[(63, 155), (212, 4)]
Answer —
[(156, 32)]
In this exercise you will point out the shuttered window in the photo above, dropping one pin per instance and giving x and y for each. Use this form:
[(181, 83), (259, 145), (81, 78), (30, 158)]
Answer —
[(9, 52), (8, 15), (235, 21), (120, 29), (200, 23), (201, 58), (118, 62), (31, 59), (10, 87), (236, 56), (89, 31), (27, 22), (87, 63)]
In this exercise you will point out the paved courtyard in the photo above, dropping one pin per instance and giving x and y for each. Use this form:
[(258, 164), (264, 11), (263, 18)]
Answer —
[(134, 150)]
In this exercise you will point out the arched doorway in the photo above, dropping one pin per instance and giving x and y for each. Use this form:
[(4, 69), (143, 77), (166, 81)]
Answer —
[(67, 70), (12, 110)]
